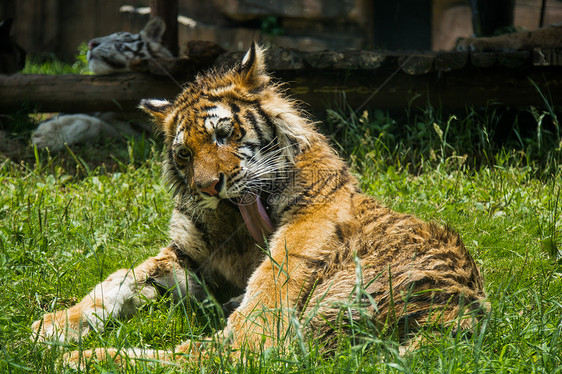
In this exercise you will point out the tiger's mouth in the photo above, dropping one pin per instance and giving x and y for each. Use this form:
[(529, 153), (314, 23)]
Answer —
[(256, 217)]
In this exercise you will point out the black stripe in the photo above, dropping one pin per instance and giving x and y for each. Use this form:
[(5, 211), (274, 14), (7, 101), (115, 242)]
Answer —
[(202, 228), (296, 201), (306, 196), (184, 259), (246, 156), (324, 181), (253, 146), (238, 98), (207, 108), (162, 291), (267, 121), (114, 64), (242, 131), (342, 181), (249, 116), (311, 262), (339, 233)]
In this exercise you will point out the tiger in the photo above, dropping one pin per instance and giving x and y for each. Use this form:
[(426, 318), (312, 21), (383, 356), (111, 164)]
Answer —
[(268, 216), (106, 55), (549, 37)]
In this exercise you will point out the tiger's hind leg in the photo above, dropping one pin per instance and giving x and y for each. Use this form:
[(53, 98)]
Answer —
[(344, 307)]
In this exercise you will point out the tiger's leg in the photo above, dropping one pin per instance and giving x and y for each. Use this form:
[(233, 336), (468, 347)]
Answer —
[(119, 296), (274, 290)]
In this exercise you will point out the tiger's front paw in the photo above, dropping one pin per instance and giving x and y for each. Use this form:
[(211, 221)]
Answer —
[(465, 45), (80, 359), (48, 135), (63, 326)]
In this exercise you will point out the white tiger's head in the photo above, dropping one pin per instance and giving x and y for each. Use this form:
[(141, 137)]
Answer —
[(113, 53)]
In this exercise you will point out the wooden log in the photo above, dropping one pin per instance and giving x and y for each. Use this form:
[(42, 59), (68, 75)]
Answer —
[(82, 93), (449, 61), (547, 56), (483, 59), (513, 59), (416, 64), (326, 60), (384, 87)]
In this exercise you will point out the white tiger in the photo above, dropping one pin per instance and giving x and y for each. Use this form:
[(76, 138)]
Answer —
[(106, 55), (113, 53)]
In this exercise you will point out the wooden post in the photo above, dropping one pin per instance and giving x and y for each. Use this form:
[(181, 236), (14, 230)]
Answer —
[(168, 11), (543, 8), (402, 24), (489, 16)]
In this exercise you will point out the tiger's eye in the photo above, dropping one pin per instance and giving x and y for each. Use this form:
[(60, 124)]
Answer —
[(183, 153), (223, 132)]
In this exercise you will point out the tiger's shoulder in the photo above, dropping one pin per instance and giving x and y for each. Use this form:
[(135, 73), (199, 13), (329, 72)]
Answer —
[(546, 37)]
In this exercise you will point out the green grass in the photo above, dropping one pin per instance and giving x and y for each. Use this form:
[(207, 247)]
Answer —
[(62, 232), (49, 64), (69, 220)]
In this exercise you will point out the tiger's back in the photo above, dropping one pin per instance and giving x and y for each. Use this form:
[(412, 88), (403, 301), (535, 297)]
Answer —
[(406, 273)]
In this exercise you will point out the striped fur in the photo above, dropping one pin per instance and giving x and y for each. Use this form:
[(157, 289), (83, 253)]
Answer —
[(233, 134)]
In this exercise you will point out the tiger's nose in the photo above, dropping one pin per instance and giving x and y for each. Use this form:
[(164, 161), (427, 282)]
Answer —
[(213, 188), (92, 44)]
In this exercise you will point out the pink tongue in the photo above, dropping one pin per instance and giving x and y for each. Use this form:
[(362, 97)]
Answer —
[(256, 218)]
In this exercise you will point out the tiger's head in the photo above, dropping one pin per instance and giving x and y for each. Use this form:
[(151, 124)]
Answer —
[(231, 134), (113, 53)]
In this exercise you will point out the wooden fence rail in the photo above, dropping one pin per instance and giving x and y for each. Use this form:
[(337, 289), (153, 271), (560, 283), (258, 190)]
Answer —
[(320, 79)]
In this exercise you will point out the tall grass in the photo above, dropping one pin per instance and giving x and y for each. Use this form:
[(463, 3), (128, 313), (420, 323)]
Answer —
[(427, 137)]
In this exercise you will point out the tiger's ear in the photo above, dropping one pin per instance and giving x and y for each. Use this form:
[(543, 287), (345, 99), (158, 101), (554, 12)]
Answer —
[(252, 67), (153, 30), (158, 109)]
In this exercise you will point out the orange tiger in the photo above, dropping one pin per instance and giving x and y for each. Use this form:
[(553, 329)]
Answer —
[(269, 219)]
